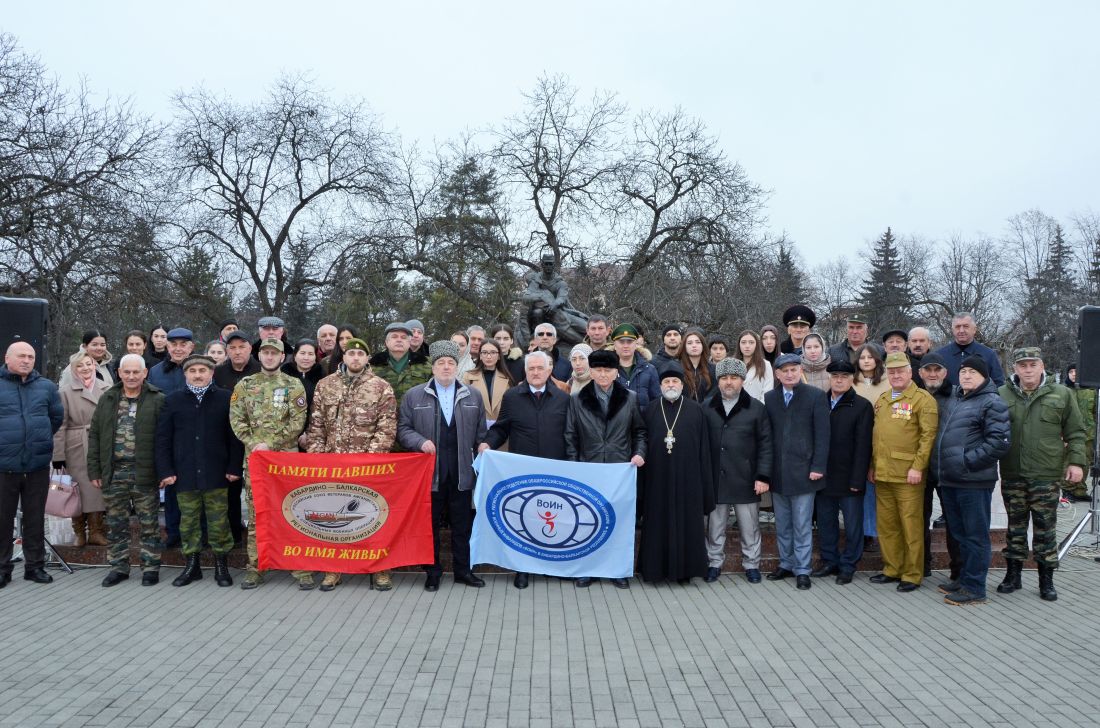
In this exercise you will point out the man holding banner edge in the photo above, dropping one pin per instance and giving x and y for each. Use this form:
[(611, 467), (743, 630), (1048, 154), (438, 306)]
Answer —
[(604, 425), (532, 421)]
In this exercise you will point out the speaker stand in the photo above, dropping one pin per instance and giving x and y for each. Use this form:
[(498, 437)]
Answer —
[(1092, 517)]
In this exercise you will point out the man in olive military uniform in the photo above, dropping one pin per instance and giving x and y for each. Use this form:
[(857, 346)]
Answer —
[(122, 461), (857, 337), (353, 411), (906, 420), (1047, 446), (402, 368), (267, 412), (1086, 402)]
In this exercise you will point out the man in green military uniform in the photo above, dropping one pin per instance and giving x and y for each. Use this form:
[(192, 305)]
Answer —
[(1048, 445), (1086, 402), (402, 368), (906, 420), (121, 461), (267, 412)]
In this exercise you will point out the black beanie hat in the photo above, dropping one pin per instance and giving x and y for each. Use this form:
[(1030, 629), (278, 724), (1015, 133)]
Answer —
[(977, 364)]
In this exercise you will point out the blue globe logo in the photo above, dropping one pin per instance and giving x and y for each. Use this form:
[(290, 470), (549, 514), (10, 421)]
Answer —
[(550, 517)]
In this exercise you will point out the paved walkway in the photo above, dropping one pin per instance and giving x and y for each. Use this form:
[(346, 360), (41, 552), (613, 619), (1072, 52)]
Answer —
[(727, 654)]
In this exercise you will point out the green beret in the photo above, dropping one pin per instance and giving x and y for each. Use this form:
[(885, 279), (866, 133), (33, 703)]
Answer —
[(624, 331), (356, 344)]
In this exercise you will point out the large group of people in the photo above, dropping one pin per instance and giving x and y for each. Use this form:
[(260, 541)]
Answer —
[(852, 438)]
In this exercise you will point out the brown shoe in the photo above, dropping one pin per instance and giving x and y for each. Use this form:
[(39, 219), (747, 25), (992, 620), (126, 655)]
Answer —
[(80, 524), (97, 529), (330, 582), (383, 581)]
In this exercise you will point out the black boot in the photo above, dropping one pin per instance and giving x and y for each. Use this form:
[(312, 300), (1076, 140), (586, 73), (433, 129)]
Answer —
[(191, 572), (221, 571), (1012, 577), (1046, 584)]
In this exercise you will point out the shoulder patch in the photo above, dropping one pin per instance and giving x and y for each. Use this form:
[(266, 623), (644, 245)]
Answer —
[(233, 397), (300, 402)]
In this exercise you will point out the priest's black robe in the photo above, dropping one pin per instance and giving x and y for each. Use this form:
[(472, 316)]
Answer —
[(677, 493)]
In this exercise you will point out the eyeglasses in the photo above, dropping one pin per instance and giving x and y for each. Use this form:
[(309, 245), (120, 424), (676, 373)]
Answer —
[(490, 353), (546, 333)]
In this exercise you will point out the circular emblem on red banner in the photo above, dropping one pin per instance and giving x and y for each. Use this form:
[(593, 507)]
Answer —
[(336, 512)]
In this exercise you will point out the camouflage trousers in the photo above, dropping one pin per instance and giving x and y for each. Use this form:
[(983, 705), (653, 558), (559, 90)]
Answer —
[(1035, 501), (215, 504), (253, 553), (118, 495)]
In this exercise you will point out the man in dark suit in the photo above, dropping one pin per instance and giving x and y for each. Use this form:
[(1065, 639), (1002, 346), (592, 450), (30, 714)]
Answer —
[(799, 418), (532, 420), (197, 452), (849, 458)]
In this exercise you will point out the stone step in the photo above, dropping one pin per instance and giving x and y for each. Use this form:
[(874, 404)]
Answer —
[(238, 558)]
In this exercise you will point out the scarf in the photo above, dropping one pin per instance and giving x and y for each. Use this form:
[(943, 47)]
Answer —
[(198, 391), (89, 381)]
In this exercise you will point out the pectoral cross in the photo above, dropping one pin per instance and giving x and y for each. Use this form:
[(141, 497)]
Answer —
[(670, 440)]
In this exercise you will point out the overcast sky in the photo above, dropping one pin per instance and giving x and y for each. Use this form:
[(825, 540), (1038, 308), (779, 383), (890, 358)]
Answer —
[(933, 118)]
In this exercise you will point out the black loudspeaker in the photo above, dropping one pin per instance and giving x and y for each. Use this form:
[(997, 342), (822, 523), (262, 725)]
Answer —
[(1088, 347), (24, 319)]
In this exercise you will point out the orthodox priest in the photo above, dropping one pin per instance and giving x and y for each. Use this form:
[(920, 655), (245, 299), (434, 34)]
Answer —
[(678, 485)]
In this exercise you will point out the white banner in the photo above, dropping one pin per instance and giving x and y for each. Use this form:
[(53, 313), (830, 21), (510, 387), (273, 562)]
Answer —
[(554, 517)]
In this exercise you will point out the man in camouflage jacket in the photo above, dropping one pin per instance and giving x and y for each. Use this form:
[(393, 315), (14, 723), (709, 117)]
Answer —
[(353, 411), (267, 412)]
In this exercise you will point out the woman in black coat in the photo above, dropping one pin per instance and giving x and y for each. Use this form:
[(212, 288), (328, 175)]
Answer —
[(305, 368), (850, 424), (976, 432)]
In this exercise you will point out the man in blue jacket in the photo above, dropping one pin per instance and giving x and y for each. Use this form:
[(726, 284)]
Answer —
[(964, 330), (167, 376), (30, 414), (799, 417), (635, 372)]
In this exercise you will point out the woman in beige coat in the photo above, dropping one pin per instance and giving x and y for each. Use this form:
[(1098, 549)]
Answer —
[(491, 378), (79, 395)]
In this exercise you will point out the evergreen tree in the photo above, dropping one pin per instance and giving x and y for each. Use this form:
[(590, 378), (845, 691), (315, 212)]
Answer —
[(1093, 288), (885, 295), (788, 283), (1054, 297)]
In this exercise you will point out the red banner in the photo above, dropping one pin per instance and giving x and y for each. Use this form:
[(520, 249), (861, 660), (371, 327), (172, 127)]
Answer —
[(350, 514)]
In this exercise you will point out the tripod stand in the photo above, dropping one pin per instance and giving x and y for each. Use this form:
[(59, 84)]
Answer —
[(1093, 514), (17, 550)]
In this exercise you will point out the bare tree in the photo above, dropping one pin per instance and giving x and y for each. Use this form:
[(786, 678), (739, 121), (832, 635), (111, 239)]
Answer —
[(678, 194), (255, 180), (964, 275), (55, 144), (560, 154), (836, 284)]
